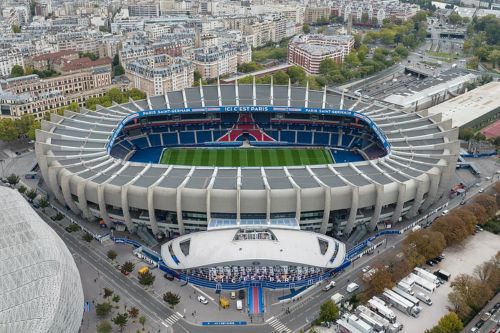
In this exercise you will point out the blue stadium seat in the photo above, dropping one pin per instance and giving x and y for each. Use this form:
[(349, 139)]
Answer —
[(187, 138), (170, 139), (321, 138), (304, 137), (141, 143), (346, 139), (296, 127), (334, 139), (155, 140), (288, 136), (203, 136)]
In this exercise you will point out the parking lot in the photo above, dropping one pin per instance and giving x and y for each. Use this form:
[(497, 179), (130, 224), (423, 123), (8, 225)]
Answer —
[(461, 259)]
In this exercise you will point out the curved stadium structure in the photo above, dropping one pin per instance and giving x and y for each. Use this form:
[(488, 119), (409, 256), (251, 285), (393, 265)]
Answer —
[(255, 158)]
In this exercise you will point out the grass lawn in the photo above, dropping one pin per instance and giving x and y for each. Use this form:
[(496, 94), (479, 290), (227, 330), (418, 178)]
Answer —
[(245, 157)]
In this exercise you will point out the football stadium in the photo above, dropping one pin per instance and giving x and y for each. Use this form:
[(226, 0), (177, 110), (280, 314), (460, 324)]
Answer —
[(254, 170)]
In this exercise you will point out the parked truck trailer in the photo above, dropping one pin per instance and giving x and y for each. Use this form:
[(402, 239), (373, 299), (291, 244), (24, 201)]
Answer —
[(426, 275), (377, 305), (379, 323), (407, 296), (400, 303)]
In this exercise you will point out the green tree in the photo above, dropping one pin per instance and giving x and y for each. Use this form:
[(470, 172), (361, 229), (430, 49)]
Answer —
[(328, 311), (147, 278), (249, 67), (13, 179), (31, 134), (306, 28), (454, 18), (104, 327), (128, 266), (16, 29), (103, 309), (31, 195), (296, 74), (197, 76), (401, 50), (118, 70), (90, 55), (121, 320), (494, 57), (24, 124), (112, 254), (280, 78), (466, 133), (142, 320), (17, 71), (171, 299), (116, 298), (450, 323), (22, 189), (117, 96), (327, 66), (43, 203), (87, 237)]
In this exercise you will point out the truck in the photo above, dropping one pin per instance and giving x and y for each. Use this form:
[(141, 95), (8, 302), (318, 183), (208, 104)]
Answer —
[(400, 303), (352, 287), (344, 327), (329, 286), (407, 296), (337, 298), (379, 323), (359, 324), (426, 275), (405, 287), (378, 306), (239, 304), (443, 275), (422, 283), (423, 297)]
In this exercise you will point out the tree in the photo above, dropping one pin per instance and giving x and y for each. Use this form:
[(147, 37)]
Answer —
[(321, 30), (116, 298), (328, 311), (466, 133), (171, 299), (104, 327), (31, 134), (306, 28), (16, 29), (296, 74), (121, 320), (107, 293), (13, 180), (22, 189), (31, 195), (133, 312), (17, 71), (452, 227), (489, 273), (422, 245), (454, 18), (249, 67), (87, 237), (43, 203), (8, 130), (478, 211), (146, 278), (327, 66), (280, 78), (401, 50), (118, 70), (112, 254), (24, 124), (128, 266), (449, 323), (466, 216), (103, 309), (488, 202), (379, 281), (90, 55), (142, 320)]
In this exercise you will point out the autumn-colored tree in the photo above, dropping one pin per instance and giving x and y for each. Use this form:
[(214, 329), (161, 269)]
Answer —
[(489, 273), (488, 202), (469, 294), (467, 216), (478, 211), (449, 323), (452, 227), (379, 281), (400, 268), (423, 244)]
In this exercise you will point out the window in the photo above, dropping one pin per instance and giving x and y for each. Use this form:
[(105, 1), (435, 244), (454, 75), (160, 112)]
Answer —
[(184, 245), (313, 215)]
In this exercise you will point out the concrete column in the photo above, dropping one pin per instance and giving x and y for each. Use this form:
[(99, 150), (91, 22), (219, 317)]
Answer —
[(54, 185), (354, 210), (417, 202), (102, 205), (178, 201), (125, 209), (433, 188), (67, 193), (399, 205), (82, 199), (151, 210), (326, 212), (378, 206)]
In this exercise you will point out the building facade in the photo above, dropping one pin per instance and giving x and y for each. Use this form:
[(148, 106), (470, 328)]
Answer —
[(213, 62), (8, 59)]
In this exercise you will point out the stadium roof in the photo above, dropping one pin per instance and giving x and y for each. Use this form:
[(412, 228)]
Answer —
[(470, 106), (77, 141), (293, 247), (40, 287)]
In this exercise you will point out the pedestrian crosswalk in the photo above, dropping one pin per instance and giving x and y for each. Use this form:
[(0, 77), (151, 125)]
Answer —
[(278, 325), (172, 319)]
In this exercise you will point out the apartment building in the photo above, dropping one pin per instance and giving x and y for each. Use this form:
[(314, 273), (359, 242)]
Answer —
[(8, 59), (51, 60), (314, 14), (160, 74), (144, 10), (308, 51), (217, 61)]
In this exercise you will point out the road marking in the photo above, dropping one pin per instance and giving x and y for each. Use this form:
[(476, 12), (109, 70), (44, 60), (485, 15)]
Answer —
[(278, 325), (173, 318), (163, 323)]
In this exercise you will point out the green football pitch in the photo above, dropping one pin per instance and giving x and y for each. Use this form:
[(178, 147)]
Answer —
[(245, 157)]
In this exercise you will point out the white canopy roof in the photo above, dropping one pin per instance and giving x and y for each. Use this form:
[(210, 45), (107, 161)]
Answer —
[(219, 247)]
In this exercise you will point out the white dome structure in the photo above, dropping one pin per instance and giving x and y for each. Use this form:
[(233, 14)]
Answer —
[(40, 286)]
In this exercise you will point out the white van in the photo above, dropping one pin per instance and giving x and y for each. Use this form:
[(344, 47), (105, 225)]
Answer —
[(329, 286), (352, 287), (239, 305)]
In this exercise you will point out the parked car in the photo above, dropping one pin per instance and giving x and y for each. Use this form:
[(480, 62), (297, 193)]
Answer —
[(366, 268), (202, 299), (241, 294), (168, 277), (486, 316), (430, 262)]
